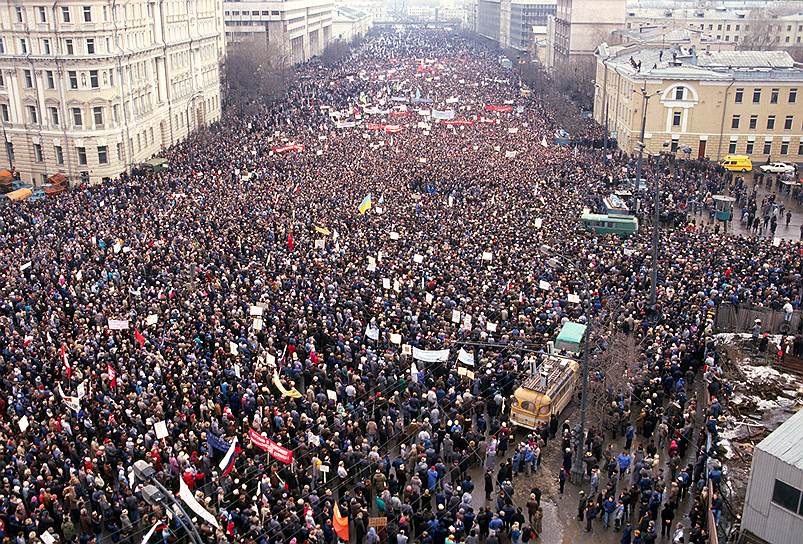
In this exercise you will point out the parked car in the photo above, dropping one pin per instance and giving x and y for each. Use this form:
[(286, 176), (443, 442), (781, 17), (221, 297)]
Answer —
[(777, 168)]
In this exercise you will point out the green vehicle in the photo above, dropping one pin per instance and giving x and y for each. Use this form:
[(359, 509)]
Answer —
[(570, 337), (610, 224)]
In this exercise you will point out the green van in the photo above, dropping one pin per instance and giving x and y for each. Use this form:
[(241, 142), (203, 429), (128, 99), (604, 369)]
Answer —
[(622, 225)]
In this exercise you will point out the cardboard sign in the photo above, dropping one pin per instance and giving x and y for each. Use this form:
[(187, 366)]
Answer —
[(407, 349), (538, 222), (257, 324), (487, 256), (394, 235), (233, 348), (23, 423), (574, 299), (544, 285), (395, 338), (385, 283), (255, 311), (118, 324), (161, 430), (151, 320), (377, 522), (418, 258), (429, 298), (455, 316), (490, 327), (331, 395)]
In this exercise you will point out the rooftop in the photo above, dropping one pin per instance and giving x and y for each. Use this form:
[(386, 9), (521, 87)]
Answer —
[(708, 14), (654, 34), (688, 62), (786, 442)]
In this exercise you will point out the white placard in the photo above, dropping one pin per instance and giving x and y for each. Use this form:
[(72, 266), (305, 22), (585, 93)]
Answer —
[(455, 316), (23, 423), (487, 255), (385, 283), (418, 258), (430, 297), (256, 311), (331, 395), (117, 247), (394, 235), (776, 241), (118, 324), (320, 244), (81, 390), (26, 266), (257, 324), (490, 327), (324, 469), (270, 359), (397, 286), (538, 222), (152, 319), (161, 429), (544, 285), (371, 261), (237, 370), (371, 267), (233, 348), (574, 299), (407, 349), (395, 338), (47, 538)]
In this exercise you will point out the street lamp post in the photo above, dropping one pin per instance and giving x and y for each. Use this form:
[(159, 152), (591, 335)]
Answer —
[(656, 197), (577, 465), (156, 493)]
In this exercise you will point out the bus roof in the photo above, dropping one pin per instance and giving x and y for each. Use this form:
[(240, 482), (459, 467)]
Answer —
[(571, 333), (604, 217)]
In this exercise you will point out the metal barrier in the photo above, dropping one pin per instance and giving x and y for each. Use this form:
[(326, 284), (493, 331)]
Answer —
[(713, 536)]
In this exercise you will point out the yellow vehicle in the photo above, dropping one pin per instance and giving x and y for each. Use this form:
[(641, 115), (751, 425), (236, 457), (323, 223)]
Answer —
[(546, 393), (737, 163)]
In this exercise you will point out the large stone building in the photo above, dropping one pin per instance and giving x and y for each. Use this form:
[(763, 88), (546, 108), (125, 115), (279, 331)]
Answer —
[(579, 26), (301, 28), (710, 103), (509, 23), (350, 24), (771, 25), (91, 88)]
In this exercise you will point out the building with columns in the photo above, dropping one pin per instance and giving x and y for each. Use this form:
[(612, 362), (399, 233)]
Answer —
[(301, 28), (701, 102), (90, 88)]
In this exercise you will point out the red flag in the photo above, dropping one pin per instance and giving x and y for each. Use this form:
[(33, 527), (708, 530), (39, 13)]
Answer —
[(340, 524), (66, 360), (112, 375), (139, 338), (290, 240)]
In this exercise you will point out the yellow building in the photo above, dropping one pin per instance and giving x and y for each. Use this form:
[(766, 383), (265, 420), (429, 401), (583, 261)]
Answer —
[(701, 103)]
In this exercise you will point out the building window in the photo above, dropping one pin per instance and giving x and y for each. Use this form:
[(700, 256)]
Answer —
[(54, 116), (786, 496), (33, 115), (37, 152), (59, 154), (65, 14), (81, 155), (767, 147), (676, 116), (800, 148), (90, 46), (24, 46), (97, 114), (679, 93), (774, 96), (749, 149), (19, 14), (28, 79), (732, 147), (116, 113), (739, 95), (787, 123), (770, 122), (51, 82), (792, 96), (735, 121), (784, 148), (4, 112), (87, 14), (119, 151), (10, 151), (93, 79), (2, 46), (77, 118), (103, 155), (73, 76), (46, 46), (674, 147), (753, 122), (42, 14), (68, 45), (756, 96)]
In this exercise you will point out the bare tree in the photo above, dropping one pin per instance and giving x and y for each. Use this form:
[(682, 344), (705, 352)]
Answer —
[(609, 375), (335, 52), (760, 37), (256, 71)]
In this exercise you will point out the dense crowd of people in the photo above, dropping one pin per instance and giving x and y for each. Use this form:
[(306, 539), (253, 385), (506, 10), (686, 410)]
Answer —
[(242, 298)]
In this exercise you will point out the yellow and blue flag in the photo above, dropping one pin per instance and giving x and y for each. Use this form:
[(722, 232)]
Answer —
[(365, 205)]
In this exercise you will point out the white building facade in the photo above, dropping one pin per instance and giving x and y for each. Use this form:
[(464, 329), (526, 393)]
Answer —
[(302, 28), (89, 88)]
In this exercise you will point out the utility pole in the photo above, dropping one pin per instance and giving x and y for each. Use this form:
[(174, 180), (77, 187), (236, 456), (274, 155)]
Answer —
[(577, 466), (656, 197)]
